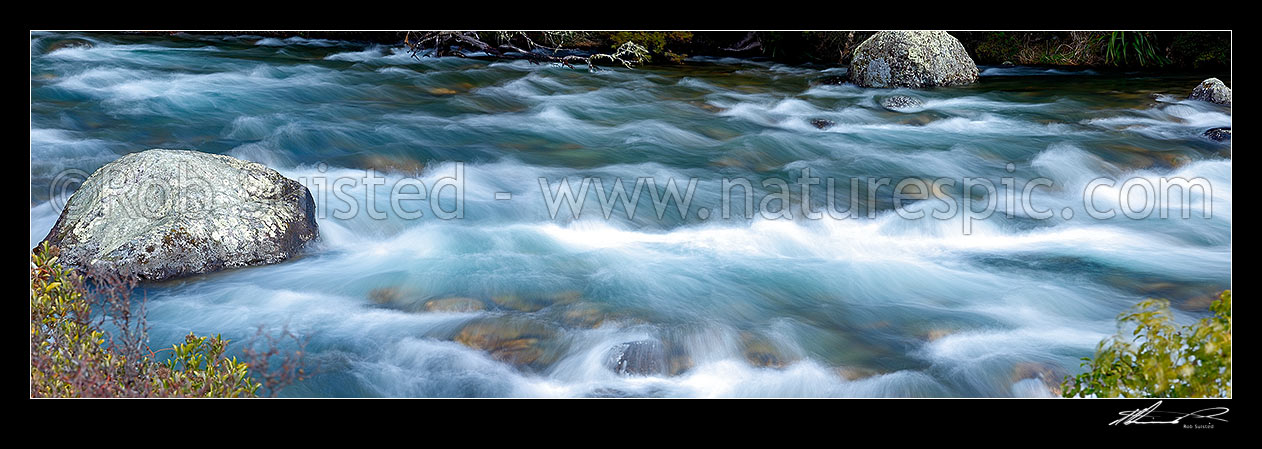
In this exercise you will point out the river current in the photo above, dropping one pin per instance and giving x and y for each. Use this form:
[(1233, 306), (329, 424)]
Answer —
[(519, 297)]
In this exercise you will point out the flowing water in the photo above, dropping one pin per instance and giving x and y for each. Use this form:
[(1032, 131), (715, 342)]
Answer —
[(871, 305)]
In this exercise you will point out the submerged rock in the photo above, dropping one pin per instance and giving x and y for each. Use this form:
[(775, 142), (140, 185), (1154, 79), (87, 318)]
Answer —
[(385, 295), (822, 123), (518, 342), (912, 59), (901, 103), (638, 358), (1218, 134), (518, 303), (384, 163), (583, 315), (853, 373), (1049, 375), (763, 353), (67, 43), (1212, 90), (442, 91), (454, 305), (162, 214)]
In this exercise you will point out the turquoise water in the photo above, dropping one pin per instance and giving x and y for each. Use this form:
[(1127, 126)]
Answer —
[(875, 305)]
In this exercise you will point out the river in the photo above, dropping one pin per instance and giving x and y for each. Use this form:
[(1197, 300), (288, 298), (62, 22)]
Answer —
[(873, 304)]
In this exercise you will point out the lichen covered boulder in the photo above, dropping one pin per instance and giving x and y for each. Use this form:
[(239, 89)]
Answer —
[(913, 59), (1212, 90), (162, 214)]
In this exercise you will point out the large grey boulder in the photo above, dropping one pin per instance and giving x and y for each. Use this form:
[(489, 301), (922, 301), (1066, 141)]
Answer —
[(912, 59), (161, 214), (1212, 90)]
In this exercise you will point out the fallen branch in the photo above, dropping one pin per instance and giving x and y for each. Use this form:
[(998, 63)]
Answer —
[(515, 45)]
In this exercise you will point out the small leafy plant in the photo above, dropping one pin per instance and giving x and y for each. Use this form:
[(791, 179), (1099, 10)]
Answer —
[(1161, 360), (73, 356)]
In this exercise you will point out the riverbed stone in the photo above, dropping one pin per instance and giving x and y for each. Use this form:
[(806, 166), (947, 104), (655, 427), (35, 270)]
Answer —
[(385, 295), (901, 103), (1218, 134), (853, 373), (163, 214), (913, 59), (454, 305), (519, 342), (1212, 90), (763, 353), (518, 302), (582, 315), (638, 358), (822, 123), (67, 43), (1048, 374)]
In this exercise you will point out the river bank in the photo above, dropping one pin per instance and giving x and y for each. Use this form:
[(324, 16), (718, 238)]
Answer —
[(1200, 50)]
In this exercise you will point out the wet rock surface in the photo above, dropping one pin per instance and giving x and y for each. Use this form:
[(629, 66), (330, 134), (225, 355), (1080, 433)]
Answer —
[(901, 103), (822, 123), (1218, 134), (520, 342), (638, 358), (1048, 374), (454, 305), (763, 353), (1212, 90)]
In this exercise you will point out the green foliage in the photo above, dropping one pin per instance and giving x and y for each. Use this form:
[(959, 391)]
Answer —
[(1199, 50), (1161, 360), (72, 356), (998, 47), (199, 368), (1075, 48), (657, 43), (1132, 48)]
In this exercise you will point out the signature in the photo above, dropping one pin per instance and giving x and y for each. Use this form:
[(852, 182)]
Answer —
[(1150, 415)]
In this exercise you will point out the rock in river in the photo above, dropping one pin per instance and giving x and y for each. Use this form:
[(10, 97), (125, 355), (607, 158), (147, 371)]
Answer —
[(517, 341), (1212, 90), (638, 358), (1218, 134), (822, 123), (454, 305), (901, 103), (912, 59), (162, 214)]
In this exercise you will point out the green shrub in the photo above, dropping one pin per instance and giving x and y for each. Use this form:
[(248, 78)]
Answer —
[(1161, 359), (72, 356)]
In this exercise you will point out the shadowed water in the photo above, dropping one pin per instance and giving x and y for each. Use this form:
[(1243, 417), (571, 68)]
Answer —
[(872, 307)]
